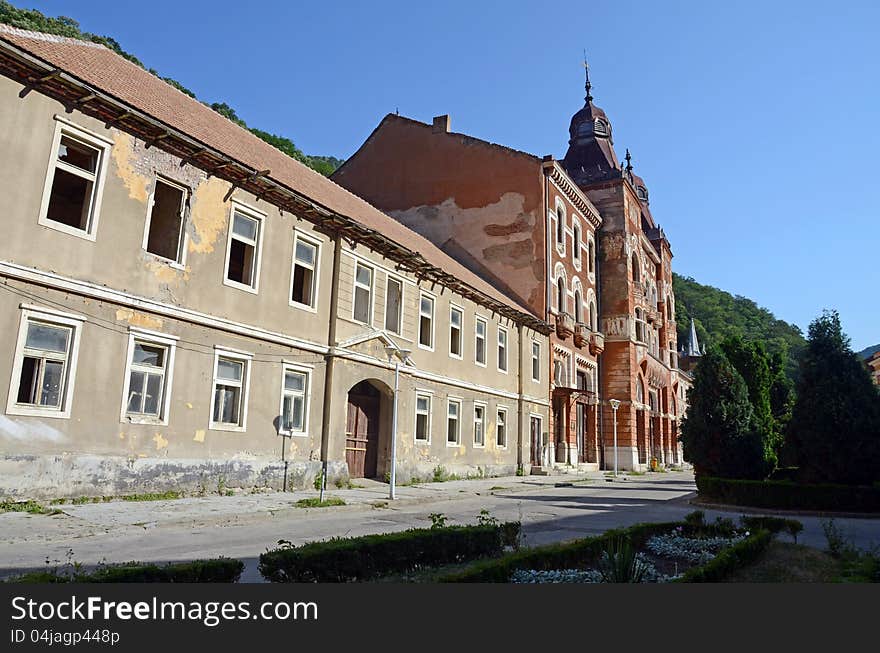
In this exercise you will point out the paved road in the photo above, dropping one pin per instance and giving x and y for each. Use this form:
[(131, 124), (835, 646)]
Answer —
[(551, 509)]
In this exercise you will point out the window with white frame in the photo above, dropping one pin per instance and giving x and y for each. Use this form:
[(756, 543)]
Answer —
[(148, 378), (165, 233), (455, 320), (560, 226), (423, 418), (229, 399), (502, 349), (243, 256), (393, 305), (480, 341), (479, 425), (578, 307), (536, 361), (363, 293), (426, 321), (294, 401), (304, 284), (72, 194), (501, 428), (44, 365), (576, 244), (453, 427), (591, 256)]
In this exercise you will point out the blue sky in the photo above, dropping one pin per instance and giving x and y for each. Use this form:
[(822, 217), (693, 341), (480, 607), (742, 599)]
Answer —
[(753, 123)]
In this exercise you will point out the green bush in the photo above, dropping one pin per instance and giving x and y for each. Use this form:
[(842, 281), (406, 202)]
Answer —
[(729, 560), (773, 524), (217, 570), (789, 496), (369, 556)]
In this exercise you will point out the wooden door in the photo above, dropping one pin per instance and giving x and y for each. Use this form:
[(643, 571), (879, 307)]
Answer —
[(362, 433), (535, 430)]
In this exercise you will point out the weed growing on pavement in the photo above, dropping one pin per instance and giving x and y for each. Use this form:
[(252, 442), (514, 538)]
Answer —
[(31, 507), (438, 519), (315, 502)]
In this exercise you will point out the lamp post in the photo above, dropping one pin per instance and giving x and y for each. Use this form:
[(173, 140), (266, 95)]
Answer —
[(398, 355), (615, 404)]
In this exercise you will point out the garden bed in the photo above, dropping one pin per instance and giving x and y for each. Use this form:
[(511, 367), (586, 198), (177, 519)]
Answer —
[(788, 495)]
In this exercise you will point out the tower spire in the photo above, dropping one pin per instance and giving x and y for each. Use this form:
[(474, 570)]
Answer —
[(587, 86), (629, 165)]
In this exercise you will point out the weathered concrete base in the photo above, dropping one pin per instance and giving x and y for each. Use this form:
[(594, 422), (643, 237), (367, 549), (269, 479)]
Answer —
[(627, 458), (69, 475), (406, 472)]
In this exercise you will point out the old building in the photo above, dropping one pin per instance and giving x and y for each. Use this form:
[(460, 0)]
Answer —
[(182, 305), (575, 241), (874, 367)]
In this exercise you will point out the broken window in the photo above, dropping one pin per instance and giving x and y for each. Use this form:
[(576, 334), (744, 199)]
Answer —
[(293, 408), (455, 319), (453, 409), (146, 380), (229, 386), (479, 425), (44, 361), (74, 179), (165, 230), (243, 250), (423, 418), (363, 293), (393, 305), (501, 428), (480, 342), (426, 321), (305, 260)]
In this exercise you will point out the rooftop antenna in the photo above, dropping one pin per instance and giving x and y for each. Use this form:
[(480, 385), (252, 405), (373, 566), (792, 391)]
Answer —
[(587, 86)]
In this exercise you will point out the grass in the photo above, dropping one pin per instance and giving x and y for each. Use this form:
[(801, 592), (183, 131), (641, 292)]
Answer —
[(784, 562), (315, 502), (30, 507), (144, 496)]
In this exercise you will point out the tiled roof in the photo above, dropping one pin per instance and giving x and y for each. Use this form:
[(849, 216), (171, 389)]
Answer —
[(112, 74)]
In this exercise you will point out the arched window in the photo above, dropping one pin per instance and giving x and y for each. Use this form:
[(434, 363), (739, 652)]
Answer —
[(577, 306), (560, 225), (560, 294), (592, 309), (591, 256), (635, 266), (640, 335), (576, 242), (640, 392), (669, 308)]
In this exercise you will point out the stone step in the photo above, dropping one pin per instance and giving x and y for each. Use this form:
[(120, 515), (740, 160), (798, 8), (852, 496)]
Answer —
[(539, 471)]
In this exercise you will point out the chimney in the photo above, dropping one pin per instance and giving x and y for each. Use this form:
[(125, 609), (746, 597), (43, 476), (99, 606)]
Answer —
[(441, 124)]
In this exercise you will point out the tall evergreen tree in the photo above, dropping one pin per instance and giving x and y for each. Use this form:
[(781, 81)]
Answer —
[(835, 426)]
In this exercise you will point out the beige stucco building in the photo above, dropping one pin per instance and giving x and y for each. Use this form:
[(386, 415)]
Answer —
[(183, 306)]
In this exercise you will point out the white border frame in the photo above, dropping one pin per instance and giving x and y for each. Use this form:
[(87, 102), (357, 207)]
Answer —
[(299, 234), (430, 397), (247, 359), (355, 286), (433, 298), (577, 242), (485, 406), (460, 309), (402, 282), (75, 322), (156, 338), (90, 138), (182, 247), (502, 408), (450, 399), (260, 217), (506, 332), (534, 343), (485, 321), (300, 369)]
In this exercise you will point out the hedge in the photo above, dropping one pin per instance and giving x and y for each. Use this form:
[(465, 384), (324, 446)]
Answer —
[(342, 560), (789, 495), (217, 570), (729, 560), (570, 555)]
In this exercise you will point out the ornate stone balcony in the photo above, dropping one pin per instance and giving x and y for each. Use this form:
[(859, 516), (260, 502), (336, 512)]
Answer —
[(564, 325), (581, 334), (597, 343)]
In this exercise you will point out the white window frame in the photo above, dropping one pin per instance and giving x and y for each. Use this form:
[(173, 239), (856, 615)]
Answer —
[(183, 244), (371, 289), (591, 256), (64, 127), (536, 361), (423, 395), (501, 410), (316, 277), (456, 309), (481, 320), (506, 346), (560, 242), (482, 424), (576, 240), (32, 313), (247, 359), (458, 402), (298, 369), (433, 317), (169, 343), (260, 217), (400, 282)]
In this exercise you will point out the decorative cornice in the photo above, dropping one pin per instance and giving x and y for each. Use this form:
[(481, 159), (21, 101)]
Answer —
[(572, 192)]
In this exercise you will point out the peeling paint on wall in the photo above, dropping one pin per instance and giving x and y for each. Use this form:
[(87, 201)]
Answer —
[(123, 155), (138, 319), (209, 216), (200, 434), (165, 273), (161, 443)]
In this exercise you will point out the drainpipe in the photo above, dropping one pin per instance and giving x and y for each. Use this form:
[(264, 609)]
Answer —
[(330, 359), (521, 404), (599, 385)]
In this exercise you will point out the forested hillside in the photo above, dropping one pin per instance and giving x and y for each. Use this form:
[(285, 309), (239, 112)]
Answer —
[(718, 314), (31, 19), (867, 352)]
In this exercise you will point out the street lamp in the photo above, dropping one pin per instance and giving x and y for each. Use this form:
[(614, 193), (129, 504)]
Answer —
[(615, 404), (398, 355)]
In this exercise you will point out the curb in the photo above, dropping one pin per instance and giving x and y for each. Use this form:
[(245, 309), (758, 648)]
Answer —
[(726, 507)]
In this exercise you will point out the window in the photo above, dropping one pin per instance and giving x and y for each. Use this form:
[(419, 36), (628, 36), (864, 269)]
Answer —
[(72, 194), (455, 319), (501, 428), (502, 349), (479, 425), (423, 418), (426, 322), (229, 401), (242, 259), (576, 244), (147, 390), (591, 256), (165, 232), (560, 295), (363, 293), (635, 267), (393, 305), (453, 411), (592, 315), (480, 344), (294, 401), (304, 286), (577, 306), (45, 361), (536, 361), (560, 226)]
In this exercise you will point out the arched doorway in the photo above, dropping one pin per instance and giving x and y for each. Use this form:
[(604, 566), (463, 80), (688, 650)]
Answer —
[(362, 429)]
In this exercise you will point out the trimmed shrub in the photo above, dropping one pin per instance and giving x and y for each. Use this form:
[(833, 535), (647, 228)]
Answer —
[(342, 560), (789, 496), (729, 560), (773, 524), (217, 570)]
